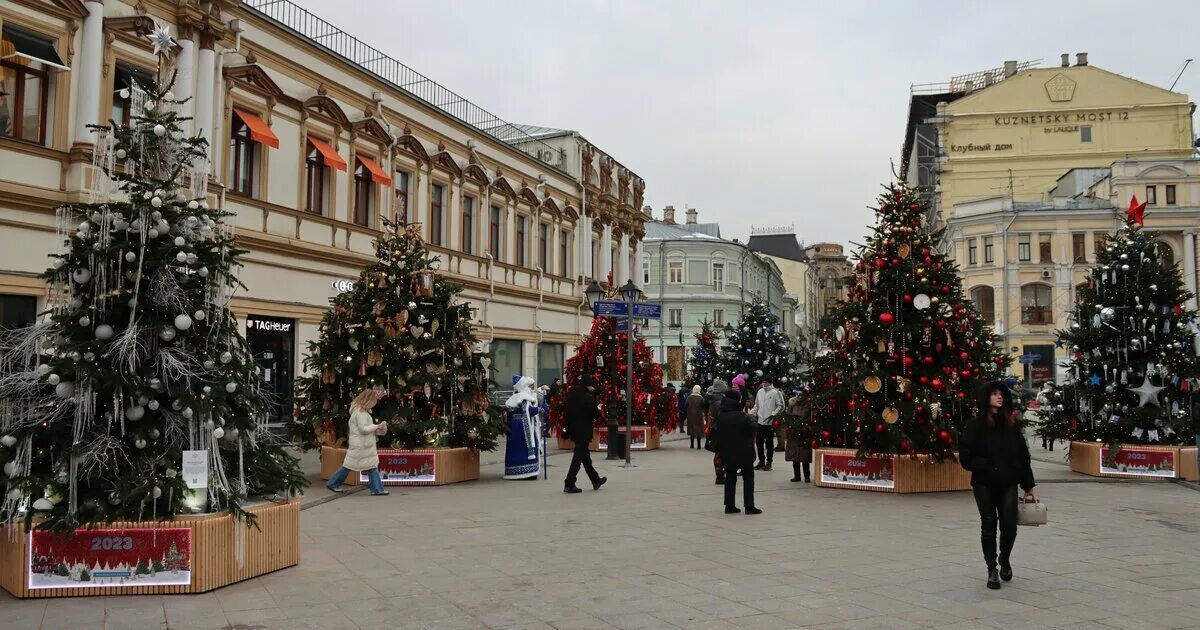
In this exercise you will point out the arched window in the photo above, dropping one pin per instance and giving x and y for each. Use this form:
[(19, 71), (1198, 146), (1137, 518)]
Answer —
[(1166, 254), (1037, 304), (984, 298)]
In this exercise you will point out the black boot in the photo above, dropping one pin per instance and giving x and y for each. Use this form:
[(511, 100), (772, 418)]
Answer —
[(993, 581), (572, 490), (1005, 570)]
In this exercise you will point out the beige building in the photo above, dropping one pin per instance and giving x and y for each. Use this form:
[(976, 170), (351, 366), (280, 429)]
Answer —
[(314, 140), (834, 273)]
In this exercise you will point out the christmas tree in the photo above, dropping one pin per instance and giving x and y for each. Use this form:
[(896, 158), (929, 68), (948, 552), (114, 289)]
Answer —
[(758, 348), (1133, 346), (138, 357), (1058, 416), (908, 352), (403, 331), (705, 362), (602, 356)]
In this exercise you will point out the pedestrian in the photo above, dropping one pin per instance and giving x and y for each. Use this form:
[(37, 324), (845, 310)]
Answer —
[(524, 447), (768, 403), (685, 390), (735, 443), (361, 453), (997, 455), (696, 407), (555, 388), (1043, 399), (580, 413), (716, 393), (799, 450), (738, 384)]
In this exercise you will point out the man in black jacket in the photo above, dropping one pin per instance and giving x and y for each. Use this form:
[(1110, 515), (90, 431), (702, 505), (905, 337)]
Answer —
[(579, 416), (735, 444)]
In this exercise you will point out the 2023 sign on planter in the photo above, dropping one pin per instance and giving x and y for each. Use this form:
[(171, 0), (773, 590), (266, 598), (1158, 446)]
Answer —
[(93, 558)]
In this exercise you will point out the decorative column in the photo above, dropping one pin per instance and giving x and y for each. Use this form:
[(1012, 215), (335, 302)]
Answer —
[(206, 80), (185, 77), (606, 259), (637, 265), (623, 272), (88, 65), (1189, 265)]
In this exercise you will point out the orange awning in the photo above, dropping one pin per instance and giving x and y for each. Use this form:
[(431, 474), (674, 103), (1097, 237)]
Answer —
[(259, 131), (332, 159), (377, 174)]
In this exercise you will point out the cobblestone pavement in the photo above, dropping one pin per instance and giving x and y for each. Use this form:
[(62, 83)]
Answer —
[(653, 549)]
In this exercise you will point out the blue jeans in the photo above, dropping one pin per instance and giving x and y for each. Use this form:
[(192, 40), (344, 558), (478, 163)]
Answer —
[(339, 478)]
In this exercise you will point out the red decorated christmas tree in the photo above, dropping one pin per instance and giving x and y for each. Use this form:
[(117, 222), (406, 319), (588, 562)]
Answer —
[(909, 351), (705, 362), (602, 355)]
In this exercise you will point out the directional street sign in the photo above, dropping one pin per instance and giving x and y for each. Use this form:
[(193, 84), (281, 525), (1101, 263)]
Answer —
[(646, 310), (609, 308), (1029, 359)]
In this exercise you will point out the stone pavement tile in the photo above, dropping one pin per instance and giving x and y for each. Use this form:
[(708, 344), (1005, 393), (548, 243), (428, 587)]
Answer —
[(252, 618), (1083, 612), (322, 621), (636, 621), (248, 598), (711, 624), (581, 623), (871, 624), (775, 604), (142, 618), (1030, 620), (1175, 618), (827, 614), (1131, 604), (926, 618), (67, 612), (966, 625), (763, 622)]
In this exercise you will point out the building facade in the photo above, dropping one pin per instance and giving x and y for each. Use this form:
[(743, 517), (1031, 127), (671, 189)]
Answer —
[(698, 277), (834, 274), (799, 277), (313, 143)]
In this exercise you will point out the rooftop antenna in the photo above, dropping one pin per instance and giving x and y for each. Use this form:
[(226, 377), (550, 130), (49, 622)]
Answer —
[(1178, 76)]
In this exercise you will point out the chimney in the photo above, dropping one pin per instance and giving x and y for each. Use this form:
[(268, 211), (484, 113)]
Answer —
[(669, 215), (1081, 59), (1066, 60), (1010, 68), (691, 216)]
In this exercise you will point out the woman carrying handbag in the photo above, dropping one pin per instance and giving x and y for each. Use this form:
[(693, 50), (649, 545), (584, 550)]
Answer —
[(995, 451)]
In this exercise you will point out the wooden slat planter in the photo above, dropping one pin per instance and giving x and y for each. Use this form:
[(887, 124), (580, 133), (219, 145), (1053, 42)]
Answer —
[(214, 542), (887, 473), (653, 438), (1087, 458), (450, 465)]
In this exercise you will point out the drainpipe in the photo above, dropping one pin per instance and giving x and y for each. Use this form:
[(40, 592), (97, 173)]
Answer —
[(1004, 279), (537, 325), (488, 301), (581, 241)]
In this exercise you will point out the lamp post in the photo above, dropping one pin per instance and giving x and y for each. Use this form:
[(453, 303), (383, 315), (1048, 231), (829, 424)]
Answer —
[(631, 293), (594, 293)]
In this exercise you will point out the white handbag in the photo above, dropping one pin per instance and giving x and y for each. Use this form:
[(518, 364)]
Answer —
[(1032, 513)]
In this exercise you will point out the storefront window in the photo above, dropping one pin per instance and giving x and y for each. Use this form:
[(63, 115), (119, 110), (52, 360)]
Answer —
[(17, 311), (272, 342), (550, 363), (1042, 367), (506, 361)]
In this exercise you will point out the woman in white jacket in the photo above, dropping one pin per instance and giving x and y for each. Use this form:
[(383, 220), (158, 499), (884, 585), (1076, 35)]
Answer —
[(361, 455)]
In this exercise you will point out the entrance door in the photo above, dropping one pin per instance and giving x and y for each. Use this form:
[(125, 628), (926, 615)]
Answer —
[(271, 342), (675, 363)]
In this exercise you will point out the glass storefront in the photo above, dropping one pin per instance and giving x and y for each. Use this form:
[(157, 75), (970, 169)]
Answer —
[(17, 311), (549, 363), (1042, 368), (506, 361), (272, 342)]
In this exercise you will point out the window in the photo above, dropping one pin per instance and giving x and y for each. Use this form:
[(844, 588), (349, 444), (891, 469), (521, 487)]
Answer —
[(25, 64), (675, 272), (1085, 133), (1152, 195), (972, 253), (17, 311), (1170, 194), (468, 225), (123, 81), (495, 218), (988, 250), (316, 181), (243, 158), (645, 270), (506, 355), (364, 194), (564, 253), (521, 235), (1166, 255), (1044, 248), (675, 317), (549, 362), (718, 318), (1036, 305), (985, 302), (400, 203), (437, 194), (1079, 247), (544, 246), (1023, 248), (718, 277)]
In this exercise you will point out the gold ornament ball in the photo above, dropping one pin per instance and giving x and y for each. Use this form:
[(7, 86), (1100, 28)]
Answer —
[(934, 299), (473, 434)]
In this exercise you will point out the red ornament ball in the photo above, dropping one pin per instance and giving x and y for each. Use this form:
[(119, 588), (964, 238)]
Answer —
[(963, 355), (937, 384), (924, 380), (907, 299), (928, 360), (825, 435), (966, 373), (944, 436), (879, 428), (904, 445), (879, 262), (908, 362), (945, 288), (886, 318)]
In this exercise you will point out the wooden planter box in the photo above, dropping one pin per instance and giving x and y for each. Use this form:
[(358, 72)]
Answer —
[(210, 541), (646, 439), (419, 467), (839, 468), (1135, 461)]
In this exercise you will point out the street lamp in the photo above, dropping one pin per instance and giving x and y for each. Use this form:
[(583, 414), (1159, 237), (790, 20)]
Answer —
[(631, 293), (594, 293)]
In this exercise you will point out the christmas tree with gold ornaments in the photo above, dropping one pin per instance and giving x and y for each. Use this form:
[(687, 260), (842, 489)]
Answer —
[(907, 350)]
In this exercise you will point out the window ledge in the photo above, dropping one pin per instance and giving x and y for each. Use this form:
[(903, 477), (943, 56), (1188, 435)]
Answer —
[(32, 148)]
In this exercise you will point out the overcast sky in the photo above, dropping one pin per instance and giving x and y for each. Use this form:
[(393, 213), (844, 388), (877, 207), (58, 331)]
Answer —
[(756, 113)]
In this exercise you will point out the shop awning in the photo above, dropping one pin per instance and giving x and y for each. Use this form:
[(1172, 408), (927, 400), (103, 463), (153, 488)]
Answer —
[(32, 48), (259, 131), (332, 159), (377, 174)]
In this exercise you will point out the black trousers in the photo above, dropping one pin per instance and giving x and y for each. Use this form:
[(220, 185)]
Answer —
[(765, 440), (731, 475), (997, 505), (801, 466), (580, 457)]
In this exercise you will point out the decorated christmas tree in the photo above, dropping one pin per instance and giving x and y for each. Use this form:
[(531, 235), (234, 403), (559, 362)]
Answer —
[(908, 351), (758, 348), (603, 356), (1134, 347), (138, 357), (705, 362), (1058, 416), (403, 331)]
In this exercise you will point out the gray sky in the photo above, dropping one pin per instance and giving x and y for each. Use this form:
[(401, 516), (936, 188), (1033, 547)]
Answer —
[(763, 113)]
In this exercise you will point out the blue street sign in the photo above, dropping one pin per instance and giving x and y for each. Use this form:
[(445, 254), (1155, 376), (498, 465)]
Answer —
[(621, 325), (646, 310), (1029, 359), (608, 308)]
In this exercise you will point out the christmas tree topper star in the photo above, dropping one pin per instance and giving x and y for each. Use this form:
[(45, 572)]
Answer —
[(1147, 393), (1136, 212), (161, 40)]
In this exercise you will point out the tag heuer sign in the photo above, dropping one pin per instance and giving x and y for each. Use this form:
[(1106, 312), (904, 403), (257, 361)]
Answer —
[(262, 323), (342, 285)]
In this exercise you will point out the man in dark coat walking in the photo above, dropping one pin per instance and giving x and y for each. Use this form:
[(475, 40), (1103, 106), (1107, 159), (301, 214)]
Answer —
[(579, 416), (735, 444)]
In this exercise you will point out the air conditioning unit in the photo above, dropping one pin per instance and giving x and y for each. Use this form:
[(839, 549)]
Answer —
[(1047, 274)]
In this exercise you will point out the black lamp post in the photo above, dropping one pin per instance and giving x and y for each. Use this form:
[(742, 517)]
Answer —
[(631, 294), (594, 293)]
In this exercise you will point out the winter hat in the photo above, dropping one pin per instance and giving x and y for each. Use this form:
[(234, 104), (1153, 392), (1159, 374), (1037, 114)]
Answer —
[(1010, 382), (739, 380), (696, 389), (733, 395)]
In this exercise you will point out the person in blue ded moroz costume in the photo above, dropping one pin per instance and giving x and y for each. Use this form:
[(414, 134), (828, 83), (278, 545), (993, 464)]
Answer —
[(523, 449)]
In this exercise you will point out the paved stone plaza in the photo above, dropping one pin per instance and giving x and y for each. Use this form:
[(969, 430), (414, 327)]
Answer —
[(653, 549)]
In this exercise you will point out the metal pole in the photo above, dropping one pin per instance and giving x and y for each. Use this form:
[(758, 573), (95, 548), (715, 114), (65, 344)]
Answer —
[(629, 384)]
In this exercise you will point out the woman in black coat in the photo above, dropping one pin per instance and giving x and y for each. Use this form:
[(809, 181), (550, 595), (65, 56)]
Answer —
[(995, 451), (735, 444)]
